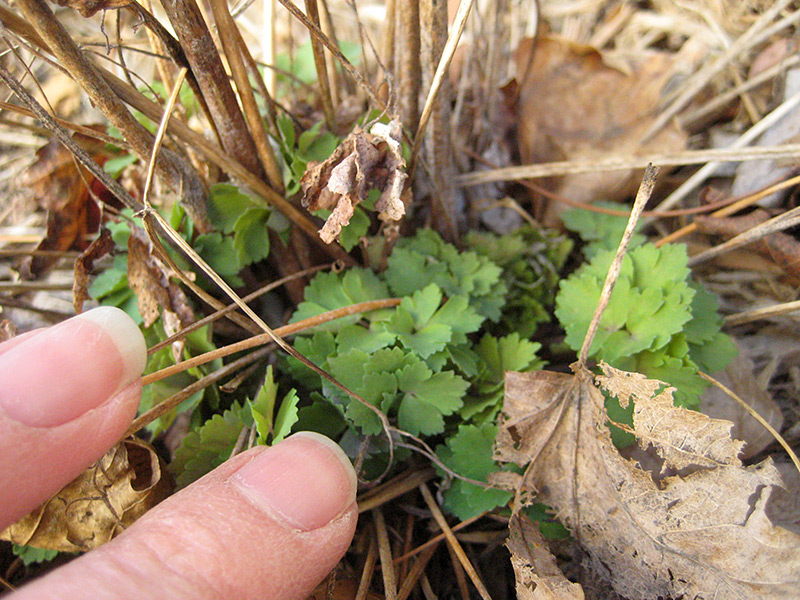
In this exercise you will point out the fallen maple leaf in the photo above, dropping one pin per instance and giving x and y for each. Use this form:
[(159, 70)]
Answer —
[(100, 503), (363, 161), (697, 528)]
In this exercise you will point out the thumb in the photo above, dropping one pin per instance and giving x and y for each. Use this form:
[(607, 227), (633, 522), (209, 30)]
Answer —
[(270, 523)]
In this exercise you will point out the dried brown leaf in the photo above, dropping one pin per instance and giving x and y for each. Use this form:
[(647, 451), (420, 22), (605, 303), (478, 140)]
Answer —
[(155, 292), (573, 105), (535, 569), (84, 264), (99, 504), (363, 161), (739, 376), (699, 528), (61, 189)]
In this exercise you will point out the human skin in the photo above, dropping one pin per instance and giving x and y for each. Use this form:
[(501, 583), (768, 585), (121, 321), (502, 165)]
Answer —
[(268, 524)]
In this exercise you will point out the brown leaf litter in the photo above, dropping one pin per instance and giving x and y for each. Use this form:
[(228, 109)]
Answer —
[(362, 162), (574, 105), (695, 528), (99, 504)]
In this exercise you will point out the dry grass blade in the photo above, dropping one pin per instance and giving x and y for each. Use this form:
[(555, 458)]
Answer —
[(453, 542), (394, 488), (385, 552), (741, 142), (773, 432), (765, 312), (784, 221), (368, 569), (233, 46), (690, 157), (269, 336), (701, 78), (231, 307), (459, 23), (642, 196)]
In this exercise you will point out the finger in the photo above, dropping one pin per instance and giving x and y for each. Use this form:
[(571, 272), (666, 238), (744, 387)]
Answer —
[(67, 393), (268, 524)]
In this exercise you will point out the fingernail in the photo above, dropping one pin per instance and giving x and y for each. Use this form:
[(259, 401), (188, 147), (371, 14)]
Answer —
[(304, 482), (59, 374)]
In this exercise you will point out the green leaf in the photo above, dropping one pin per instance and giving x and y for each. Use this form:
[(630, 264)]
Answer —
[(601, 231), (427, 398), (354, 230), (226, 205), (262, 407), (287, 416), (321, 416), (650, 303), (206, 448), (115, 166), (251, 238), (508, 353), (221, 255), (469, 454), (31, 556), (329, 291), (367, 340), (412, 323), (425, 258)]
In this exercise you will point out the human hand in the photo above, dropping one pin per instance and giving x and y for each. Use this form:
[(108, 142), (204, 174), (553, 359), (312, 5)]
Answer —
[(269, 523)]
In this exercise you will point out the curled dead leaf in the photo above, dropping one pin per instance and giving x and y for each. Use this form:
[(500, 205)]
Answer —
[(362, 162), (697, 528), (155, 292), (101, 246), (99, 504)]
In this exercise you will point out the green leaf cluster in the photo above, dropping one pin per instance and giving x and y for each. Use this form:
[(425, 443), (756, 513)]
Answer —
[(240, 237), (657, 321), (424, 363), (469, 454), (31, 556), (600, 231), (531, 259), (209, 445), (426, 258)]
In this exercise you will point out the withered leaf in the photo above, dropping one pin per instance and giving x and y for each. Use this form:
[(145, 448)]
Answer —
[(574, 105), (84, 264), (99, 504), (698, 528), (362, 162), (61, 189), (537, 575), (155, 291)]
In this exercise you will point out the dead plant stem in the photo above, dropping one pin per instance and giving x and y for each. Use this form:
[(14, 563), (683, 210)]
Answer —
[(642, 196), (265, 338)]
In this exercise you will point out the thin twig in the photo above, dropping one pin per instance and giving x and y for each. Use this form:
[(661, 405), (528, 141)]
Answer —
[(642, 196), (265, 338), (453, 542), (783, 221), (170, 403), (385, 553), (623, 163), (312, 10), (231, 307)]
